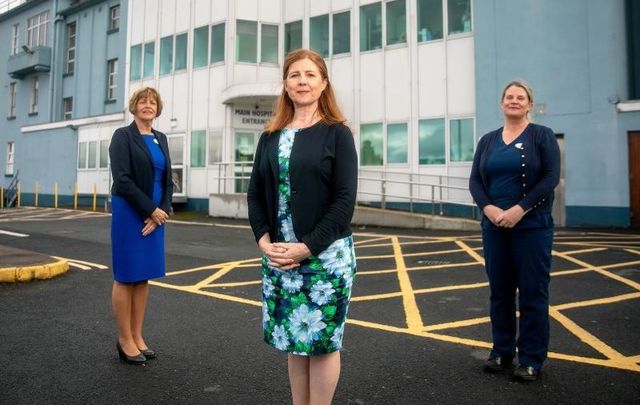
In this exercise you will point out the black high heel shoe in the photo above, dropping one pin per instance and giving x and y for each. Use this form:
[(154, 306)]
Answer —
[(148, 353), (138, 359)]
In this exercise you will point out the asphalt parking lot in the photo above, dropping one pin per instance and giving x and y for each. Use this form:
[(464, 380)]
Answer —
[(418, 329)]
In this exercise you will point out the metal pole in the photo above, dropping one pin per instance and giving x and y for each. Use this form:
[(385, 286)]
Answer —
[(94, 196), (1, 197), (36, 197), (55, 195), (75, 196), (410, 192), (432, 200)]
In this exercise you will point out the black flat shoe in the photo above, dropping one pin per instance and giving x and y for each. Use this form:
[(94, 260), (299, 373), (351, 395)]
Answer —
[(526, 373), (497, 364), (148, 353), (138, 359)]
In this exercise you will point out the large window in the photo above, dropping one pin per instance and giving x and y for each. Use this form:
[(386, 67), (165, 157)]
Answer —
[(371, 145), (201, 47), (112, 76), (71, 47), (459, 16), (166, 55), (198, 148), (429, 20), (104, 154), (33, 105), (244, 147), (82, 155), (370, 27), (149, 56), (246, 41), (319, 34), (12, 100), (181, 52), (431, 148), (67, 108), (397, 143), (114, 17), (396, 22), (217, 43), (10, 158), (292, 36), (215, 147), (461, 140), (15, 36), (37, 30), (268, 43), (135, 57), (342, 33), (92, 155)]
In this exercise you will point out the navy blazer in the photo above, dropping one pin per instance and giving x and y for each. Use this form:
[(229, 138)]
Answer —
[(133, 172), (540, 169), (323, 173)]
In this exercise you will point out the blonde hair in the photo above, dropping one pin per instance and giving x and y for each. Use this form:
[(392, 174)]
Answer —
[(327, 106), (145, 92), (524, 86)]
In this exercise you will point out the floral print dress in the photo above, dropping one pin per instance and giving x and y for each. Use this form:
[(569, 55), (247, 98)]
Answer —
[(304, 309)]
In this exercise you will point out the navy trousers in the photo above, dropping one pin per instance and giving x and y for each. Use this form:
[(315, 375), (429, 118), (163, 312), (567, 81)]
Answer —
[(519, 259)]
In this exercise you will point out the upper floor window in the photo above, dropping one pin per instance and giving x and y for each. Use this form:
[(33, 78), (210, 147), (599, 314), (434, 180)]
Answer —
[(342, 32), (114, 17), (10, 158), (461, 140), (319, 34), (201, 46), (33, 105), (246, 41), (370, 27), (431, 141), (268, 43), (112, 75), (37, 30), (12, 99), (166, 55), (135, 60), (371, 144), (217, 43), (429, 20), (396, 17), (181, 52), (67, 108), (459, 16), (15, 33), (292, 36), (149, 58), (71, 47)]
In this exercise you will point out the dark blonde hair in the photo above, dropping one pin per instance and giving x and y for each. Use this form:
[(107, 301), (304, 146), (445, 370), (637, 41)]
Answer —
[(327, 106), (524, 86), (145, 92)]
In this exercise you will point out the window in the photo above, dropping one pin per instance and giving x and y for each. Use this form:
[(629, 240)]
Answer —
[(429, 20), (135, 56), (246, 41), (342, 33), (459, 16), (431, 141), (10, 158), (181, 52), (82, 155), (396, 22), (319, 34), (37, 30), (397, 143), (114, 18), (217, 43), (269, 43), (112, 83), (149, 54), (67, 108), (92, 155), (104, 153), (198, 148), (244, 147), (166, 55), (292, 36), (33, 106), (12, 99), (370, 27), (371, 145), (201, 47), (461, 140), (215, 147), (15, 32), (71, 47)]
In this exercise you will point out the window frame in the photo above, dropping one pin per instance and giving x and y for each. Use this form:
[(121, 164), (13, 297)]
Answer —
[(362, 27), (286, 36), (12, 100), (11, 156), (444, 121), (162, 55), (407, 144), (15, 39), (329, 33), (257, 44), (277, 42), (386, 25), (67, 113), (203, 44), (71, 48), (33, 101), (112, 79), (381, 124), (114, 18), (333, 33), (37, 30), (212, 49), (450, 161), (448, 25), (199, 155), (443, 25)]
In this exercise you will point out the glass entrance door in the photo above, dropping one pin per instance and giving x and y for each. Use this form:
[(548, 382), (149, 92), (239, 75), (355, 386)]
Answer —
[(244, 149), (177, 151)]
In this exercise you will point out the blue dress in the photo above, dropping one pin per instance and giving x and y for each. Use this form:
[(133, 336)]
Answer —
[(136, 257)]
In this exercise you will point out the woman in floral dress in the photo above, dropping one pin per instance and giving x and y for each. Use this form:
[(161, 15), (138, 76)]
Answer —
[(301, 199)]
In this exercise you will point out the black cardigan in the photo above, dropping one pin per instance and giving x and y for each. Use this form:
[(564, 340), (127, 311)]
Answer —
[(133, 172), (323, 173), (540, 169)]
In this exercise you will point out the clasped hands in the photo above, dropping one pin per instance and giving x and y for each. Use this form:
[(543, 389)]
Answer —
[(284, 256), (156, 219), (504, 218)]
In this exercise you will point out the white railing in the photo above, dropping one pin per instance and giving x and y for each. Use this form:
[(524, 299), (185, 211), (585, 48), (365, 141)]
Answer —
[(6, 5)]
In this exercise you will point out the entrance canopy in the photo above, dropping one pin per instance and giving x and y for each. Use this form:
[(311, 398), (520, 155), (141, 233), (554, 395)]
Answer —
[(252, 93)]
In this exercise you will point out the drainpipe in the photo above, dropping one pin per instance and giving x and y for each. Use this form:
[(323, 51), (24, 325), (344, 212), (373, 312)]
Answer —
[(54, 52)]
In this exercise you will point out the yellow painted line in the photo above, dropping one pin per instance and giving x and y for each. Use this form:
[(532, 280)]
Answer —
[(417, 254), (597, 301), (218, 274), (635, 252), (634, 359), (585, 336), (193, 270), (470, 252), (443, 266), (457, 324), (191, 289), (606, 273), (364, 242), (424, 242), (412, 313), (97, 265), (238, 284), (580, 251), (623, 264), (597, 235), (595, 244)]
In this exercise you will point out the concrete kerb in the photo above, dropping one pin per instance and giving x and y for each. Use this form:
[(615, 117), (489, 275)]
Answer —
[(38, 272), (401, 219)]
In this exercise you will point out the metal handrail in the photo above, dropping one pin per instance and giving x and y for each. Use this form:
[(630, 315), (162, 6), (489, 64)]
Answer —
[(11, 195)]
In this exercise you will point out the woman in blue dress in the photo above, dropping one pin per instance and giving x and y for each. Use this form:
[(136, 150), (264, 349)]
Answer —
[(301, 199), (141, 199)]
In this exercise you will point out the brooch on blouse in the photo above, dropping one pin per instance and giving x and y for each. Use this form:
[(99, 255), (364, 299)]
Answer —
[(519, 145), (156, 141)]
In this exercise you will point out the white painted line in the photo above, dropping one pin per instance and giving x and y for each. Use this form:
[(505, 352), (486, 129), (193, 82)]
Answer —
[(19, 235), (80, 266)]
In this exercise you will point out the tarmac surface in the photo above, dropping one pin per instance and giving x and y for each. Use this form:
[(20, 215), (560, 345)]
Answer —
[(418, 330)]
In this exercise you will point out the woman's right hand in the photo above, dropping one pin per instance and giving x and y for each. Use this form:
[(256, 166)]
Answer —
[(159, 216), (275, 254), (492, 212), (149, 226)]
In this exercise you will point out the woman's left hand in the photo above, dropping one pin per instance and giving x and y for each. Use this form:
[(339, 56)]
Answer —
[(149, 226), (510, 217), (294, 251)]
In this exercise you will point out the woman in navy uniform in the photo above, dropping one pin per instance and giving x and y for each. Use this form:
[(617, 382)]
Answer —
[(515, 169), (141, 200)]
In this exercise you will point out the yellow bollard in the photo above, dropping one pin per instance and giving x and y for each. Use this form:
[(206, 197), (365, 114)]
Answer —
[(36, 191), (1, 197), (18, 190), (55, 195), (75, 196), (94, 196)]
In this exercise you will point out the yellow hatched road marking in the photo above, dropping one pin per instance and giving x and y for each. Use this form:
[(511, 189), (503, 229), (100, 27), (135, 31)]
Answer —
[(600, 270), (412, 313), (470, 251), (193, 290)]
